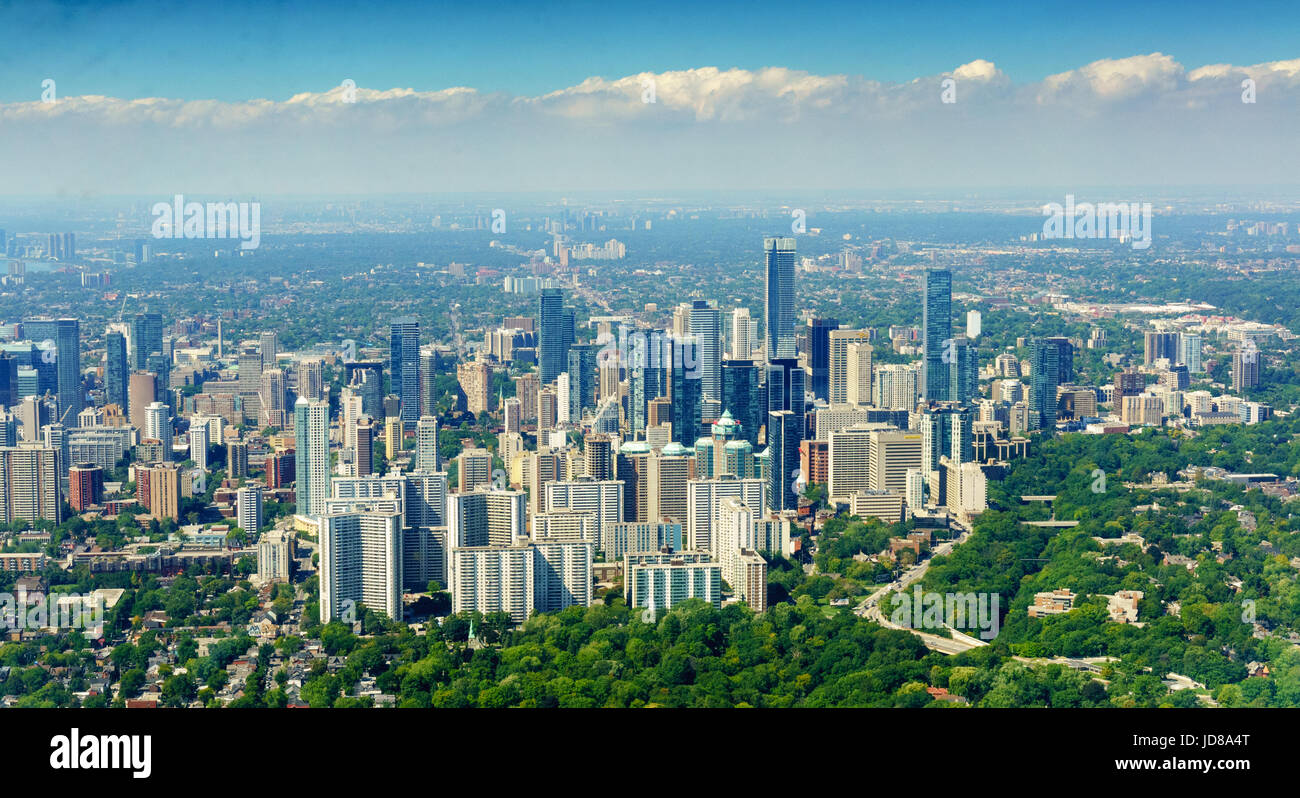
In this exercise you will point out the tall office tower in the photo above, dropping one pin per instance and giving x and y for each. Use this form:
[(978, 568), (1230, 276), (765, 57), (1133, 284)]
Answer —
[(598, 456), (527, 388), (268, 344), (115, 369), (521, 579), (365, 448), (248, 508), (311, 379), (742, 397), (778, 314), (199, 442), (160, 487), (891, 454), (963, 370), (582, 379), (685, 392), (704, 496), (360, 564), (784, 434), (475, 381), (548, 414), (9, 381), (158, 427), (819, 355), (71, 398), (146, 337), (554, 334), (1128, 383), (142, 391), (1189, 352), (1052, 362), (936, 328), (426, 444), (274, 395), (838, 383), (85, 486), (742, 334), (602, 498), (1157, 344), (29, 485), (311, 428), (236, 459), (249, 363), (404, 363), (706, 329), (1245, 369), (786, 387)]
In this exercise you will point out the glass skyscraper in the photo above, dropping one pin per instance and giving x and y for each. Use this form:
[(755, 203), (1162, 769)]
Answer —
[(554, 335), (742, 397), (685, 392), (1051, 358), (778, 314), (936, 329), (819, 355), (706, 327), (583, 379), (115, 369), (146, 337), (784, 434), (404, 360)]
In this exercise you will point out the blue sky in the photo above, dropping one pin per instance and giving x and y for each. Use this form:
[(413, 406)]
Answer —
[(237, 51)]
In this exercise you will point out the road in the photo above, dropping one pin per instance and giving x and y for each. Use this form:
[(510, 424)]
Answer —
[(870, 606)]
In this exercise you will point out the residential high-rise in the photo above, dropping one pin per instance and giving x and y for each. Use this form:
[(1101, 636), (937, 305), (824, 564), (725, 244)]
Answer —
[(364, 452), (963, 370), (892, 453), (1052, 361), (473, 468), (199, 442), (360, 564), (521, 579), (486, 518), (236, 459), (784, 434), (895, 387), (160, 488), (555, 334), (158, 427), (274, 392), (312, 456), (1245, 369), (1189, 352), (742, 334), (248, 508), (426, 444), (311, 378), (602, 498), (85, 486), (778, 315), (583, 378), (703, 498), (1157, 344), (29, 484), (659, 580), (936, 329), (67, 351), (404, 363)]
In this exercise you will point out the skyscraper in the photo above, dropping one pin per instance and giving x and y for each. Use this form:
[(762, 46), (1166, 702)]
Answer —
[(784, 434), (685, 392), (963, 370), (837, 372), (312, 444), (936, 329), (146, 336), (819, 355), (778, 315), (706, 328), (1050, 358), (115, 369), (743, 398), (404, 362), (360, 563), (555, 334), (583, 377)]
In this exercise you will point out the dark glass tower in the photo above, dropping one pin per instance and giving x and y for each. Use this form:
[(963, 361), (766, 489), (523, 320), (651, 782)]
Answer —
[(819, 355), (404, 361), (584, 376), (554, 335), (742, 396), (963, 370), (706, 327), (115, 369), (146, 337), (784, 430), (71, 398), (778, 313), (685, 392), (1048, 356), (647, 378), (936, 330)]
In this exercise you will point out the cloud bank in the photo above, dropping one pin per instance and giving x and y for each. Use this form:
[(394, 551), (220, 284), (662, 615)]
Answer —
[(1141, 120)]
